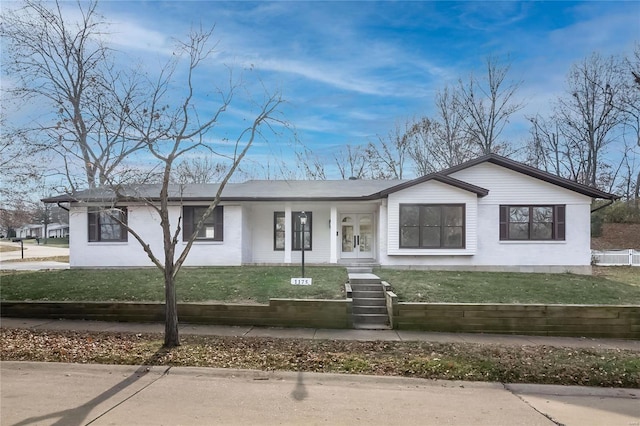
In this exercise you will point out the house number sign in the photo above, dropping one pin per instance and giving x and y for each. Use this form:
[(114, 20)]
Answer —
[(300, 281)]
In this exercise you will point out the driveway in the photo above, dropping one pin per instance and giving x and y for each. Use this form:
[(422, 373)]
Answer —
[(35, 257)]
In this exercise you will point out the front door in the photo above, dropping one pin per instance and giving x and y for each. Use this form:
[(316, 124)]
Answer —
[(357, 235)]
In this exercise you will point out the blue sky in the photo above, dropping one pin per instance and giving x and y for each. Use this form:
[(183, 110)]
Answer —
[(351, 70)]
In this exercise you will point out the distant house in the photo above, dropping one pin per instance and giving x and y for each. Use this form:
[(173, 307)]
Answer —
[(30, 231), (57, 230), (490, 213)]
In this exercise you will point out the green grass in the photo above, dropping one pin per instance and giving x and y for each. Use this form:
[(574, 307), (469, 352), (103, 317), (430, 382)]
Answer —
[(502, 287), (228, 284), (256, 284)]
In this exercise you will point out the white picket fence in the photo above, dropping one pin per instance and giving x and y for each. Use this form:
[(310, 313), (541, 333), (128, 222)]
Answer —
[(628, 257)]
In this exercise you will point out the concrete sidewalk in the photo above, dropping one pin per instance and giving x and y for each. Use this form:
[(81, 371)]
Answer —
[(323, 334), (52, 393), (74, 394), (13, 260)]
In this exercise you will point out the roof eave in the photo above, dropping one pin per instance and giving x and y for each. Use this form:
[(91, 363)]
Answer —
[(447, 180)]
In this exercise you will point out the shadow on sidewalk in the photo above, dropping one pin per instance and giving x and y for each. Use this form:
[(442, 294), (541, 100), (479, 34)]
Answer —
[(78, 415)]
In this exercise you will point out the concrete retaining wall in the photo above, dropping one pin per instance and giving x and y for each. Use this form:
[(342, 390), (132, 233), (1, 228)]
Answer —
[(547, 320), (278, 313)]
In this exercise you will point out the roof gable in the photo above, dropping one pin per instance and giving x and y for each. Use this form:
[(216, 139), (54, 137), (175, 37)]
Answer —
[(532, 172), (448, 180)]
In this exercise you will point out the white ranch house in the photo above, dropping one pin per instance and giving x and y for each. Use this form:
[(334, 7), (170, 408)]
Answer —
[(490, 213)]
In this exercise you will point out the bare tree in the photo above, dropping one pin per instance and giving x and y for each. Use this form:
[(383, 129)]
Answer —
[(487, 104), (442, 141), (630, 107), (453, 146), (588, 114), (199, 170), (421, 138), (352, 162), (545, 150), (64, 67), (168, 133), (388, 156), (311, 166)]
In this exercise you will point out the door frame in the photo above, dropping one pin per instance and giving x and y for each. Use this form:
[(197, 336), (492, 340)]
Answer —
[(357, 254)]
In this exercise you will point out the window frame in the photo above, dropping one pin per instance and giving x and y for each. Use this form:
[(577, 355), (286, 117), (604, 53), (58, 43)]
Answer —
[(190, 219), (295, 232), (422, 207), (276, 231), (558, 222), (95, 224)]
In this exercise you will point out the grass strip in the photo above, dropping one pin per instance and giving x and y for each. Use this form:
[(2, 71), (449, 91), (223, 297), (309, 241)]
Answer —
[(444, 361)]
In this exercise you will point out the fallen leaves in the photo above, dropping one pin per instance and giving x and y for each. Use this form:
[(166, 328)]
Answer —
[(446, 361)]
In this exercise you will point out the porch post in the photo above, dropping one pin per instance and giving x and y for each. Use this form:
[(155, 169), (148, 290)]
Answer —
[(333, 234), (289, 228)]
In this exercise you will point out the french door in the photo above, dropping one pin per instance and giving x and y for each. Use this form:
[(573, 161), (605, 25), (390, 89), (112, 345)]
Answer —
[(357, 235)]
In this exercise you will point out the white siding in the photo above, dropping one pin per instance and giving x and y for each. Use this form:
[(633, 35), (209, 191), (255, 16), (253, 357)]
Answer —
[(508, 187), (431, 192), (248, 230), (147, 224), (261, 219), (484, 249)]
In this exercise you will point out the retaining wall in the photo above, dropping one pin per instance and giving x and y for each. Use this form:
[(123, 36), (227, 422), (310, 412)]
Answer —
[(547, 320), (278, 313)]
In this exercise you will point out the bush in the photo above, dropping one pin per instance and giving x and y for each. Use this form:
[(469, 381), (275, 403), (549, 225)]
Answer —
[(622, 212)]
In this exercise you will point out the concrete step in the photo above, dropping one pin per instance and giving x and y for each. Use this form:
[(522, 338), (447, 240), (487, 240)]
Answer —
[(372, 326), (359, 269), (380, 310), (359, 278), (381, 319), (366, 287), (356, 294), (369, 301)]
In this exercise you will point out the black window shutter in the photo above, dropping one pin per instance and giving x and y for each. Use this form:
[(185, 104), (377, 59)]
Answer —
[(123, 231), (560, 220), (219, 223), (504, 214), (93, 224), (187, 220)]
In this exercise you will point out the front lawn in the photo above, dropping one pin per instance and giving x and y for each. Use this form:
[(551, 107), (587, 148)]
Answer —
[(613, 286), (247, 284), (257, 284)]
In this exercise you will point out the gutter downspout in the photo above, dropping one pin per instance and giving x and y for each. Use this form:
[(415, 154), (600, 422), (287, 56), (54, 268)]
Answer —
[(604, 205)]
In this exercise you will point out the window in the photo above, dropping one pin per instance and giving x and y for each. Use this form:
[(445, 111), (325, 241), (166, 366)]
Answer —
[(212, 229), (296, 235), (537, 223), (432, 226), (104, 224), (278, 230)]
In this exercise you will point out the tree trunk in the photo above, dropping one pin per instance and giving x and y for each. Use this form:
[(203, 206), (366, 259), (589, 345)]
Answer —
[(171, 336)]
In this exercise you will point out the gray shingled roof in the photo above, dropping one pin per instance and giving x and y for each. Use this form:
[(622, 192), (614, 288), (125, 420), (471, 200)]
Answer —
[(290, 190), (259, 190)]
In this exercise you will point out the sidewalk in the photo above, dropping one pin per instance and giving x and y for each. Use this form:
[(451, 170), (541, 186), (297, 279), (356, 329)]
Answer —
[(58, 393), (323, 334), (34, 257)]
